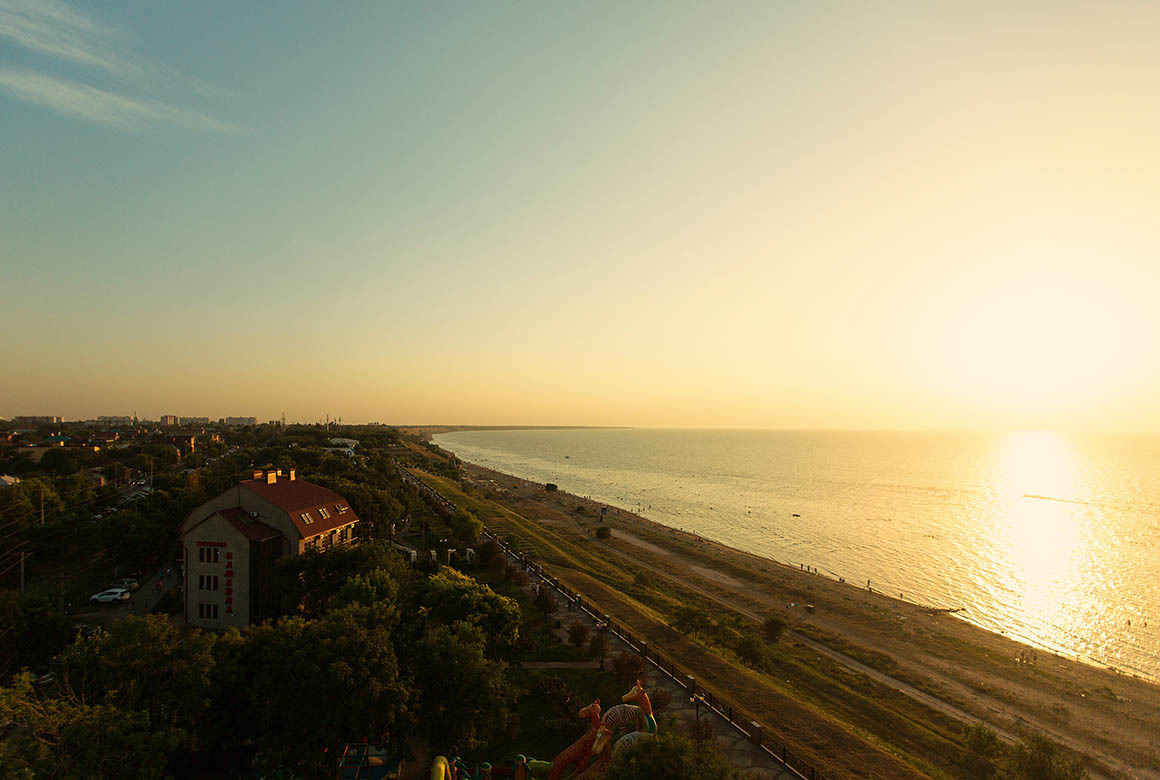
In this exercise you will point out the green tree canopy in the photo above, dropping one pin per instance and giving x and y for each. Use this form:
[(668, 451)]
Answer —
[(463, 696), (317, 684)]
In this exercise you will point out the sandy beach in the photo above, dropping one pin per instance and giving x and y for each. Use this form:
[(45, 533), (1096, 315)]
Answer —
[(970, 673)]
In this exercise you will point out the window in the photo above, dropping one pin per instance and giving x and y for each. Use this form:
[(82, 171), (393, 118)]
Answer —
[(207, 611), (325, 514), (306, 518), (312, 542), (342, 510), (207, 582), (343, 533), (208, 555)]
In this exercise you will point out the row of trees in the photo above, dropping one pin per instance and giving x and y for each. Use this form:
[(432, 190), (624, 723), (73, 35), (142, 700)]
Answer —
[(379, 652)]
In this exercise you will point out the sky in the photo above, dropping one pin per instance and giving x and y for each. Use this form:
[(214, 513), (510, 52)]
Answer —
[(918, 215)]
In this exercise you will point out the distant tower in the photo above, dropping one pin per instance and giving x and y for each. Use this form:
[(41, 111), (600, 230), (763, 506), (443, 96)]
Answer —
[(283, 419)]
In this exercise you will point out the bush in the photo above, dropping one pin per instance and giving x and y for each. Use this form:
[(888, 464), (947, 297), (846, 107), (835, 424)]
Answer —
[(544, 602), (772, 628), (982, 740), (598, 647), (578, 633), (627, 668), (1038, 758), (672, 756), (750, 650), (660, 699), (603, 532), (551, 487)]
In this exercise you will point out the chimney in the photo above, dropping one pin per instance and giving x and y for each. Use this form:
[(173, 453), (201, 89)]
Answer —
[(292, 471), (271, 477), (257, 474)]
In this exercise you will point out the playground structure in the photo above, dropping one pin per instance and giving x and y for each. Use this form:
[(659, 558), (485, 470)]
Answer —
[(588, 758)]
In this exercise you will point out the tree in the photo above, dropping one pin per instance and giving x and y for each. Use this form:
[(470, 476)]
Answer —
[(772, 627), (462, 694), (465, 528), (342, 667), (56, 738), (140, 664), (1038, 758), (693, 621), (598, 647), (551, 487), (750, 650), (671, 755), (578, 633), (450, 596), (544, 602), (309, 581), (40, 628), (627, 668)]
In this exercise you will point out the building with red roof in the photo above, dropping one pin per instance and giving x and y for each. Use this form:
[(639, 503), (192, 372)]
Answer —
[(230, 544)]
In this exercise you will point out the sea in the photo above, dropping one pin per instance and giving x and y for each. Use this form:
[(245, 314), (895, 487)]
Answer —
[(1048, 538)]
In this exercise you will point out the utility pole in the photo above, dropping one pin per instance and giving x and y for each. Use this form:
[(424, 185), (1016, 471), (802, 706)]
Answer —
[(21, 572), (150, 472), (42, 507)]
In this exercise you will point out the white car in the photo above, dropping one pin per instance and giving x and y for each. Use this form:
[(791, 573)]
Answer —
[(110, 596)]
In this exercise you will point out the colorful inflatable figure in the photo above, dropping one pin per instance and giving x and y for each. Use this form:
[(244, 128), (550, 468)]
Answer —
[(631, 722), (579, 753)]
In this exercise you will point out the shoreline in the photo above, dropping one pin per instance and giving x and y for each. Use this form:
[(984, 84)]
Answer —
[(992, 676), (959, 611)]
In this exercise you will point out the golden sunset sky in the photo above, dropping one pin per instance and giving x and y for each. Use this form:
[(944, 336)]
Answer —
[(812, 215)]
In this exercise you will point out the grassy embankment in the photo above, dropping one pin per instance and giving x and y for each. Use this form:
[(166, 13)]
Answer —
[(845, 724)]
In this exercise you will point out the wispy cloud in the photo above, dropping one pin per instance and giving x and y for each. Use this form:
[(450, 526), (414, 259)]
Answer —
[(73, 98), (53, 28)]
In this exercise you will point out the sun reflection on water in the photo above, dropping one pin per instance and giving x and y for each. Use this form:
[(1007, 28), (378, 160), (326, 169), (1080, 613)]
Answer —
[(1042, 526)]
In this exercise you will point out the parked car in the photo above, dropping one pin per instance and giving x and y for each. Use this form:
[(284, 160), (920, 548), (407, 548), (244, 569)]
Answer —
[(128, 583), (42, 677), (110, 596)]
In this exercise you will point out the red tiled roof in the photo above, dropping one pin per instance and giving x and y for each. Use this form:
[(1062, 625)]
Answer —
[(247, 526), (299, 497)]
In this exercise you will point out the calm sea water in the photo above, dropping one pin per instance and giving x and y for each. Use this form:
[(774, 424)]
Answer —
[(1049, 539)]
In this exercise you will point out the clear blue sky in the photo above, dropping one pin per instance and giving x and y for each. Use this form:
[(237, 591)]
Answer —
[(766, 214)]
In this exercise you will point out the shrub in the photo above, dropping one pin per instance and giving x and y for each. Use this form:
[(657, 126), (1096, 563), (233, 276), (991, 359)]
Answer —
[(982, 740), (772, 628), (672, 756), (551, 487), (598, 647), (578, 633), (1038, 758), (603, 532), (544, 602), (660, 699), (627, 668), (750, 650)]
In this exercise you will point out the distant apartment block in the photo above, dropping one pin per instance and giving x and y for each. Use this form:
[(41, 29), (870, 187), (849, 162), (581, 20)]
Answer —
[(194, 421), (239, 421), (231, 542), (115, 420), (33, 419), (169, 420)]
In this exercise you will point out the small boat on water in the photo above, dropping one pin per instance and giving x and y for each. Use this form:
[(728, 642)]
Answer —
[(795, 514)]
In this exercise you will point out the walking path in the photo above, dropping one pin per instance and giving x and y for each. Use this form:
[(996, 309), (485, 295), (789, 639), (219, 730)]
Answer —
[(740, 747)]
